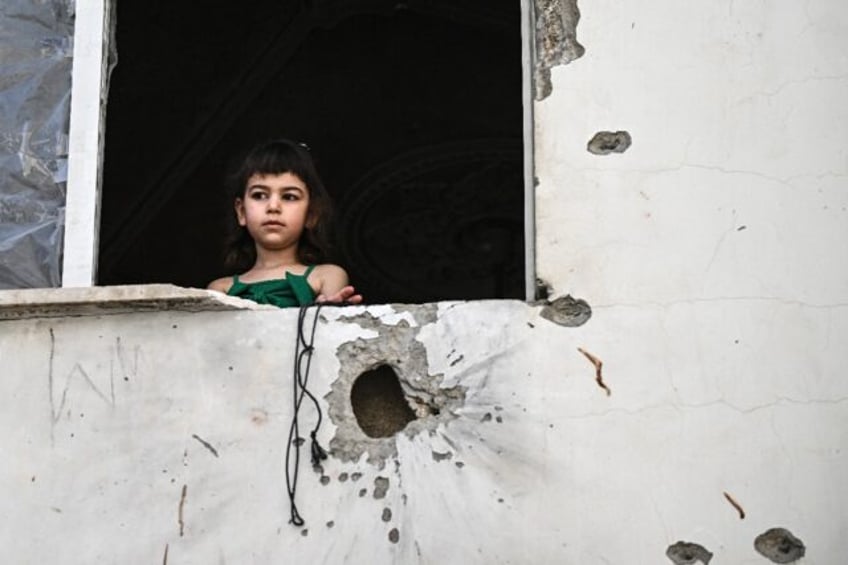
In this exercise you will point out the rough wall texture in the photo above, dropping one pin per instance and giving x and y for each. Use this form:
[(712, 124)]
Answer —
[(128, 436)]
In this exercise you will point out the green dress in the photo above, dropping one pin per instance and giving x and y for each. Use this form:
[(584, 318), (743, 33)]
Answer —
[(293, 290)]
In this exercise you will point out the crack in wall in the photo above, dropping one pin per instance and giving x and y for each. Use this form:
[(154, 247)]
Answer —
[(395, 346)]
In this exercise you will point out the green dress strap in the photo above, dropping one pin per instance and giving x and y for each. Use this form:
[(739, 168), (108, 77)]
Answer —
[(302, 291)]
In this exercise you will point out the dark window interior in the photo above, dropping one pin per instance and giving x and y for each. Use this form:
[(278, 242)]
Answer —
[(412, 111)]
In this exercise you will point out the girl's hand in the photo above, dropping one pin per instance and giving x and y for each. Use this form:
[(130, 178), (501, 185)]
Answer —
[(332, 285), (346, 294)]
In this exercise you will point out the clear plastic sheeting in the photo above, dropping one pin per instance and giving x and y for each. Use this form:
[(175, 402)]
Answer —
[(36, 40)]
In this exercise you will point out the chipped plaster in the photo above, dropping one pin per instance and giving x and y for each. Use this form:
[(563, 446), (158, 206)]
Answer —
[(556, 41), (394, 345)]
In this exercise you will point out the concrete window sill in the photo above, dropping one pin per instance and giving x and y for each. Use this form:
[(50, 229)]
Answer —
[(105, 300)]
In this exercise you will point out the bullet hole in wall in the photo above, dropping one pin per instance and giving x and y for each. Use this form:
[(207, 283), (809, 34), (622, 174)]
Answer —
[(779, 546), (606, 142), (396, 345), (380, 407), (686, 553), (567, 311)]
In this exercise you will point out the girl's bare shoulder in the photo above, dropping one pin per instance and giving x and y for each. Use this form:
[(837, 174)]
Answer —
[(221, 285)]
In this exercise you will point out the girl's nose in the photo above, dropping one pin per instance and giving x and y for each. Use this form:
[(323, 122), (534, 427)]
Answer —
[(274, 203)]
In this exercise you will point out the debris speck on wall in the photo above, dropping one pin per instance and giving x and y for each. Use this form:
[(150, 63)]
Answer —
[(381, 487)]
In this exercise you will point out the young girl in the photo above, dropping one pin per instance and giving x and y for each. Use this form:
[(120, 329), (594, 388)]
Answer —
[(281, 207)]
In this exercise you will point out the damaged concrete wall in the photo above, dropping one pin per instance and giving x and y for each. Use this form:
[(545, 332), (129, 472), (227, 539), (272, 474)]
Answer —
[(160, 437)]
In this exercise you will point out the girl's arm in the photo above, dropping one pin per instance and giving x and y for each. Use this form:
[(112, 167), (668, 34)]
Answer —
[(332, 285)]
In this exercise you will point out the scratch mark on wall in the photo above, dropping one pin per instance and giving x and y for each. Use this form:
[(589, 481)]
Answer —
[(165, 557), (180, 520), (735, 504), (599, 377), (127, 370), (205, 444), (78, 372), (50, 387), (720, 242), (84, 375)]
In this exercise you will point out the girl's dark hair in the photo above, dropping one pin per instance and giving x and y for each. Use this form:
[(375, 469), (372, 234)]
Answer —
[(275, 158)]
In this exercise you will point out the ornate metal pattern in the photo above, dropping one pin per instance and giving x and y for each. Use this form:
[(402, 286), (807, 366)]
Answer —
[(438, 223)]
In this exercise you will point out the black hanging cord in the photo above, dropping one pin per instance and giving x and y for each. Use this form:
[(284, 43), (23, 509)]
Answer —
[(302, 363)]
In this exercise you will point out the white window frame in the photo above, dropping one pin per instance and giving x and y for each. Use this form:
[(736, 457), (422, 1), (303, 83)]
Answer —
[(528, 46), (89, 92), (89, 89)]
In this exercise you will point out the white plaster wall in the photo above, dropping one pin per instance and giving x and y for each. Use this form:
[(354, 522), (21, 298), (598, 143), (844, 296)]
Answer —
[(738, 117)]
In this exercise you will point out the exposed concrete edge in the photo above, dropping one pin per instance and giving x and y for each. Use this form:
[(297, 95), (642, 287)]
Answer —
[(105, 300)]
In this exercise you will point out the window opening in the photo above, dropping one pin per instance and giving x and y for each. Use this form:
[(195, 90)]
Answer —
[(413, 112)]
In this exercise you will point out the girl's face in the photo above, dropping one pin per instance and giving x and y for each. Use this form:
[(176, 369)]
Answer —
[(274, 209)]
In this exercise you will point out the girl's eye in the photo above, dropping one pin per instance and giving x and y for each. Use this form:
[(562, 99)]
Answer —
[(258, 195), (290, 196)]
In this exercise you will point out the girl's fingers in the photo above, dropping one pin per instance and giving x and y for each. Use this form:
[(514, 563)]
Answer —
[(346, 294)]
